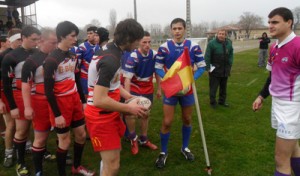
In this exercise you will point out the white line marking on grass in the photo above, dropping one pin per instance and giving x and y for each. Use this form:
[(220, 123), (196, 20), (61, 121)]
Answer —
[(251, 82)]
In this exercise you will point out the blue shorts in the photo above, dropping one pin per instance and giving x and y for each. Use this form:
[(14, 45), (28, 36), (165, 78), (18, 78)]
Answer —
[(84, 85), (149, 96), (186, 100)]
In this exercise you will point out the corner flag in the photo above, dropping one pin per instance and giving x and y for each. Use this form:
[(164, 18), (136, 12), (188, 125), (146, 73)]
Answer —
[(179, 76)]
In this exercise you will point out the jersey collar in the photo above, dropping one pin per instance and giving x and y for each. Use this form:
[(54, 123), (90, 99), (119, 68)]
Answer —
[(286, 40)]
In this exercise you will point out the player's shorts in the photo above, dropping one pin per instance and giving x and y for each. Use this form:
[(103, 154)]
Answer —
[(41, 120), (285, 117), (186, 100), (20, 104), (106, 136), (84, 85), (70, 108), (149, 96), (3, 97)]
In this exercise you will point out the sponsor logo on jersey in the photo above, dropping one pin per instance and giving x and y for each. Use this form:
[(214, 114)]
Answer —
[(284, 60)]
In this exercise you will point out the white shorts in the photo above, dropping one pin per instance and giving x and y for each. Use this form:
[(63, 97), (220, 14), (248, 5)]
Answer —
[(285, 117)]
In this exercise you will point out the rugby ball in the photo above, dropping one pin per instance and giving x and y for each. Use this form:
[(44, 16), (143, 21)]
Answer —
[(143, 101)]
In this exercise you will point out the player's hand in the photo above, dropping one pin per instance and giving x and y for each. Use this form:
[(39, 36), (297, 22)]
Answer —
[(28, 113), (2, 107), (158, 94), (137, 110), (257, 104), (60, 122), (83, 106), (15, 114)]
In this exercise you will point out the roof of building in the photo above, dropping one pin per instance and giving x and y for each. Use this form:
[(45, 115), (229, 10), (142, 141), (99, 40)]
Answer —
[(231, 27), (17, 3)]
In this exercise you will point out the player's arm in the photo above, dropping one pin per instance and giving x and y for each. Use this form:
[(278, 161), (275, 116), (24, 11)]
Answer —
[(28, 71), (50, 66), (158, 86), (78, 84), (102, 100), (160, 61), (264, 93), (199, 61), (2, 105), (129, 71), (8, 65)]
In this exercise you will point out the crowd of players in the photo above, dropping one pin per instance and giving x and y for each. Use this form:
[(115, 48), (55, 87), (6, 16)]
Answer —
[(50, 83)]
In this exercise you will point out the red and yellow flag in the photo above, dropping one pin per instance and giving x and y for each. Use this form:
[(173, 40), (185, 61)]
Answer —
[(179, 76)]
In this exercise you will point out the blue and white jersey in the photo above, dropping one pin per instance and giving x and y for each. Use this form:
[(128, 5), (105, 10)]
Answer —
[(140, 68), (170, 51), (86, 53)]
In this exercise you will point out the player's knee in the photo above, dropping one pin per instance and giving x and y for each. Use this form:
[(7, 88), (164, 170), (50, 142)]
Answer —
[(64, 142), (80, 136), (187, 120), (281, 160), (114, 167), (39, 142)]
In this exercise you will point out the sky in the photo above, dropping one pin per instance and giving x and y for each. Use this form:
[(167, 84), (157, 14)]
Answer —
[(81, 12)]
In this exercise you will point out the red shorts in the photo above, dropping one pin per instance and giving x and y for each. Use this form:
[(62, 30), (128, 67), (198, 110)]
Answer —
[(20, 104), (70, 108), (106, 136), (3, 97), (41, 120)]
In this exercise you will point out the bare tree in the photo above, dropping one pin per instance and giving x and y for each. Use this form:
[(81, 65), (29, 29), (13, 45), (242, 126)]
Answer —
[(249, 21), (96, 22), (296, 12), (214, 25), (167, 31), (156, 33), (200, 29), (82, 31), (112, 21)]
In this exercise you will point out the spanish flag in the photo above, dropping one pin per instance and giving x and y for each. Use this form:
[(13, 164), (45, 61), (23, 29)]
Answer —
[(179, 76)]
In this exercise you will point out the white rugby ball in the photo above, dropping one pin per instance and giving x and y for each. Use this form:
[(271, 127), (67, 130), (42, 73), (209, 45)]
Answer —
[(145, 102)]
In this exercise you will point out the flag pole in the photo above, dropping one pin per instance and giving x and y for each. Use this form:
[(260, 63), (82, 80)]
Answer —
[(208, 168)]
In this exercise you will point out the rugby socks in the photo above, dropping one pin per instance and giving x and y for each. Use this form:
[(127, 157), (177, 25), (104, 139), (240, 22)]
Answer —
[(3, 134), (164, 139), (38, 156), (61, 156), (280, 174), (143, 138), (126, 134), (20, 149), (78, 150), (186, 134), (295, 163), (9, 152), (132, 136)]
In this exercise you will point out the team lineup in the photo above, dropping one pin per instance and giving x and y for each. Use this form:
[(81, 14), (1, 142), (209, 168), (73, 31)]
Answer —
[(99, 89)]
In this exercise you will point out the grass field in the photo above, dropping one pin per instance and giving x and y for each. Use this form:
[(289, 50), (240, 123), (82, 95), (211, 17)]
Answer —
[(240, 142)]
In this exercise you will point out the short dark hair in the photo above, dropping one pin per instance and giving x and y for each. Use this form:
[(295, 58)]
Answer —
[(128, 31), (103, 34), (65, 28), (13, 31), (29, 30), (91, 28), (178, 20), (284, 12), (146, 34)]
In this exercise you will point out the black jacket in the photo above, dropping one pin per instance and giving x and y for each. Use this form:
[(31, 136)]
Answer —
[(264, 43)]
